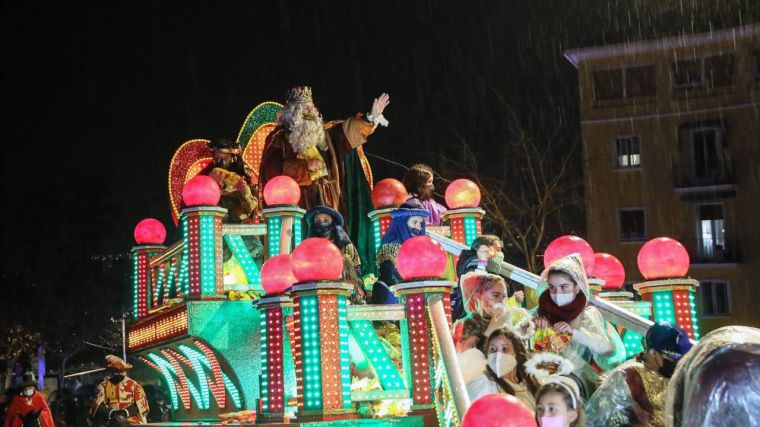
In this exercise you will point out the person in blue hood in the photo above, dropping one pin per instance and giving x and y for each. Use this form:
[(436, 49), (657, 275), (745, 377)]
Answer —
[(407, 221)]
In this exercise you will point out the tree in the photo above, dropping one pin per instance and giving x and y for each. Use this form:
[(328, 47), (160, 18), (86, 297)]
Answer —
[(531, 188), (16, 343)]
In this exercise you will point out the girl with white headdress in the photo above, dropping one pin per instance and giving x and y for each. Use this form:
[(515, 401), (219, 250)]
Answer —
[(564, 307)]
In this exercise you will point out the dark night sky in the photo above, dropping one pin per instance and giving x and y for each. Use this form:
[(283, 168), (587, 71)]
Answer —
[(96, 98)]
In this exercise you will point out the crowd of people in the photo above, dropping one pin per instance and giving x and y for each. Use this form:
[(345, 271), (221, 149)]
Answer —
[(562, 360)]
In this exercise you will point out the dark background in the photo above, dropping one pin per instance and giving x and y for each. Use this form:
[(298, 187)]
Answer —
[(96, 98)]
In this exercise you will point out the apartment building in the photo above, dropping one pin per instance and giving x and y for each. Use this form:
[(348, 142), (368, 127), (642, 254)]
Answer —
[(671, 139)]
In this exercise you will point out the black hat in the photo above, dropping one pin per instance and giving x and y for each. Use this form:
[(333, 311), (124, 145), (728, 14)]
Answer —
[(337, 218), (29, 380)]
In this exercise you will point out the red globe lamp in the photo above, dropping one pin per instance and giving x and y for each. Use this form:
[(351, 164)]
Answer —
[(664, 262), (316, 259), (150, 231), (201, 190), (498, 410), (566, 245), (276, 274), (388, 192), (662, 258), (282, 190), (421, 258), (608, 268), (462, 193)]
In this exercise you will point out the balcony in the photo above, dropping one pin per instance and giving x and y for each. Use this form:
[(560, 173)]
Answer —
[(724, 250), (715, 177)]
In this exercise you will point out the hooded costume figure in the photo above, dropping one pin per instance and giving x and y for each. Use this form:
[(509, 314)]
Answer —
[(333, 231), (717, 383), (635, 392), (119, 399), (591, 343), (398, 232), (28, 407)]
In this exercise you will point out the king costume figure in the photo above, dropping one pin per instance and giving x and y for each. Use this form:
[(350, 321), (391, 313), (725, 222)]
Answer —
[(327, 161), (119, 399)]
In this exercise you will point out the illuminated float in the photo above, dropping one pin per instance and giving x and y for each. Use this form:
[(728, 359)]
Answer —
[(270, 337)]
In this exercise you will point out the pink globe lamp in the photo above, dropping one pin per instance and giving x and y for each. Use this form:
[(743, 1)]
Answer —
[(316, 259), (201, 190), (150, 231)]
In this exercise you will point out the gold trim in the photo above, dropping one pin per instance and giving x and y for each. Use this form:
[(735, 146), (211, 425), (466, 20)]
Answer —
[(666, 285), (168, 253)]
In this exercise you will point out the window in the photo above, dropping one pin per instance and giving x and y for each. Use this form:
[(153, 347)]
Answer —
[(628, 152), (688, 75), (719, 70), (608, 84), (711, 232), (703, 73), (624, 83), (632, 225), (640, 81), (708, 155), (716, 299), (704, 158)]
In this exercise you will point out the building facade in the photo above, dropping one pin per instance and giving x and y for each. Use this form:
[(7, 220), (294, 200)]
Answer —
[(671, 139)]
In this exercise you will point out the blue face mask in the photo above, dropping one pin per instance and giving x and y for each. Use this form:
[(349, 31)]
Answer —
[(415, 231)]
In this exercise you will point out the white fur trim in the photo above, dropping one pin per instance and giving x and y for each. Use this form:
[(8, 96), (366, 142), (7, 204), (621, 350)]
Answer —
[(565, 367)]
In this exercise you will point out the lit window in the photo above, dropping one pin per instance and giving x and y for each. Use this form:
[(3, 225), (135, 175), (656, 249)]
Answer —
[(628, 152)]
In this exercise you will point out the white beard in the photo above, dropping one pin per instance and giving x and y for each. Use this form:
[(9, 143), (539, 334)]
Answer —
[(304, 134), (307, 134)]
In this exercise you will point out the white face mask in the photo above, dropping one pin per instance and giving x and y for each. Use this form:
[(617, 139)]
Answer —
[(28, 392), (562, 299), (502, 363), (555, 421)]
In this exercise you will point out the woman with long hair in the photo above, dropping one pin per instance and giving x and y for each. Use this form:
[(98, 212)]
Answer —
[(505, 369), (418, 181)]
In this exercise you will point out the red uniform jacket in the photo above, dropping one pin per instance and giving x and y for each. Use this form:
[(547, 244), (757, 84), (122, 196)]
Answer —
[(22, 405)]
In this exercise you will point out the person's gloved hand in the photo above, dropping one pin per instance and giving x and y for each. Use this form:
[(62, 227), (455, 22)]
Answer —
[(121, 412)]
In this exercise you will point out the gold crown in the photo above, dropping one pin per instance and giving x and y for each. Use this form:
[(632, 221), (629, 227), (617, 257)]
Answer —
[(300, 93)]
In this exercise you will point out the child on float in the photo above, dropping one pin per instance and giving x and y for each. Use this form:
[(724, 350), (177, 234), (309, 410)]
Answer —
[(485, 298), (484, 253), (504, 371), (564, 307), (418, 182), (406, 222), (558, 404)]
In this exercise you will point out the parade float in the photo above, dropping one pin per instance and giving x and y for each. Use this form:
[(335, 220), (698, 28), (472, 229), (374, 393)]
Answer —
[(251, 324)]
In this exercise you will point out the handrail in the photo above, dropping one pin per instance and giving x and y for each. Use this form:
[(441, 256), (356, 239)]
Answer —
[(245, 229), (609, 310), (448, 354), (167, 253)]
